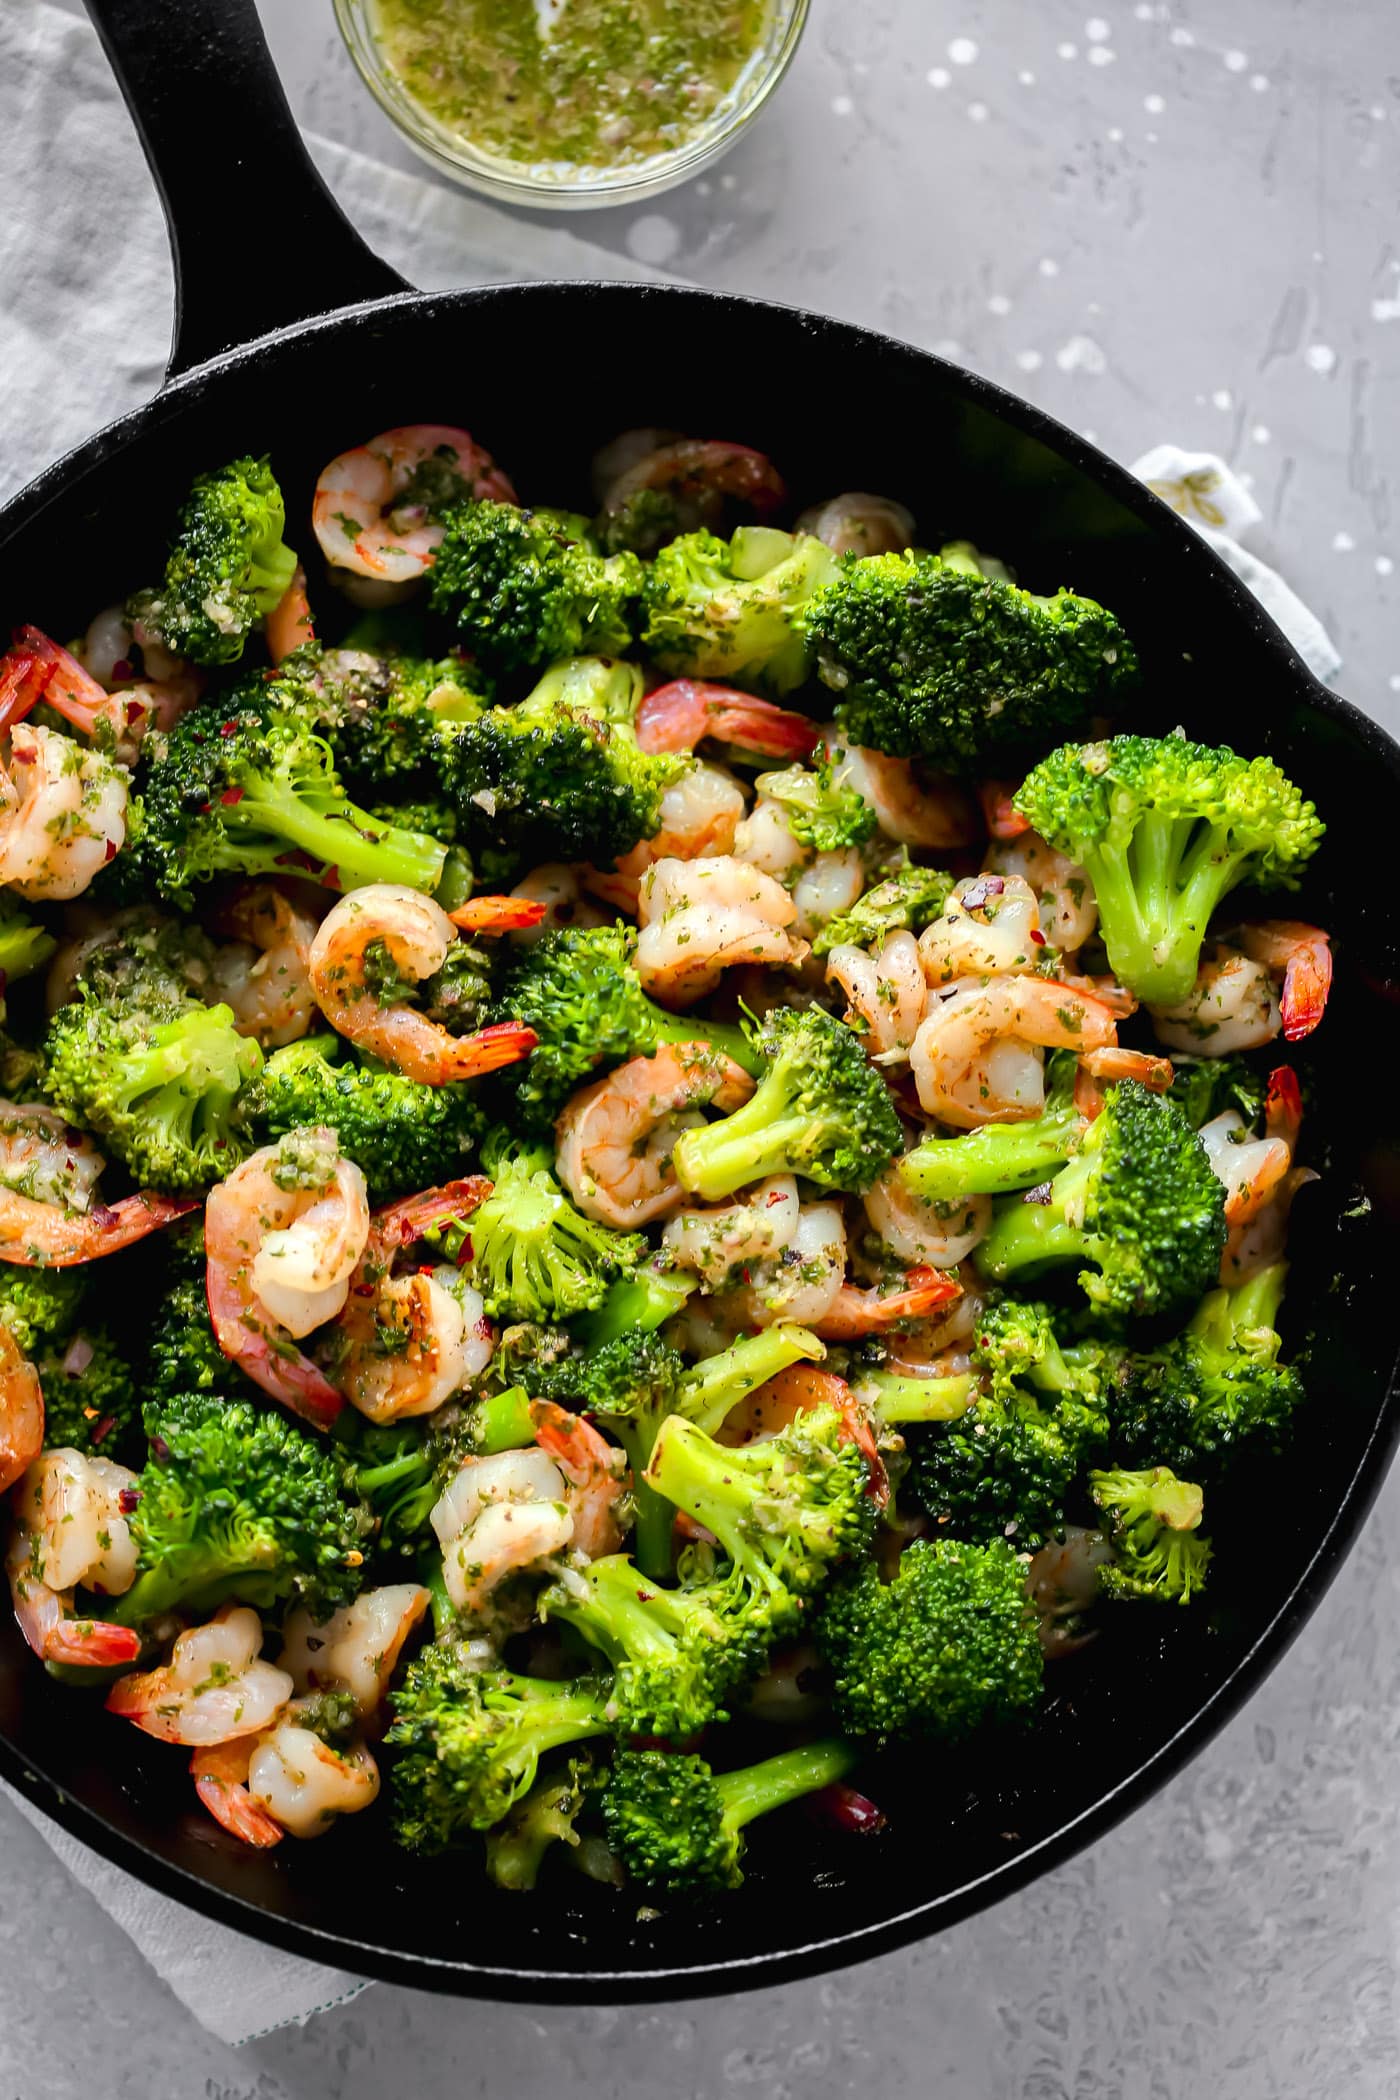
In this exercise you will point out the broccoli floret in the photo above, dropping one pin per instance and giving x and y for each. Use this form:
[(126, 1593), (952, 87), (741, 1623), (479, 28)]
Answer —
[(906, 901), (515, 1851), (388, 719), (676, 1824), (91, 1401), (1165, 829), (1007, 1463), (645, 1301), (405, 1135), (784, 1511), (398, 1471), (934, 660), (1000, 1157), (822, 813), (228, 564), (561, 776), (528, 586), (471, 1740), (24, 946), (236, 1501), (533, 1255), (1139, 1203), (1153, 1520), (950, 1643), (732, 609), (241, 786), (159, 1078), (578, 989), (182, 1355), (1203, 1087), (1218, 1389), (40, 1305), (821, 1110)]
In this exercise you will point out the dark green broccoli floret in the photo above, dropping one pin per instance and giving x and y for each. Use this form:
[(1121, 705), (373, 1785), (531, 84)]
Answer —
[(820, 1110), (182, 1355), (1139, 1204), (515, 1851), (1007, 1463), (388, 719), (1165, 829), (1203, 1087), (675, 1823), (237, 1501), (40, 1305), (578, 989), (949, 1644), (528, 586), (933, 659), (398, 1470), (1153, 1521), (1218, 1389), (822, 812), (470, 1741), (241, 786), (24, 946), (405, 1135), (1001, 1156), (784, 1511), (533, 1255), (91, 1401), (228, 564), (906, 901), (731, 609), (159, 1078)]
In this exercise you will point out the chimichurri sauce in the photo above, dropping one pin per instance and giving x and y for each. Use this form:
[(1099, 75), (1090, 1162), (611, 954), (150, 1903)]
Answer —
[(571, 83)]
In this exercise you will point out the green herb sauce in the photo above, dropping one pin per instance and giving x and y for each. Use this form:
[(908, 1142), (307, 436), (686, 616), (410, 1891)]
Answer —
[(608, 84)]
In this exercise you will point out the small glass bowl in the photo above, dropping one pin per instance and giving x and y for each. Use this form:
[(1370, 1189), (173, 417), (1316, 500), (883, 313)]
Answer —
[(509, 182)]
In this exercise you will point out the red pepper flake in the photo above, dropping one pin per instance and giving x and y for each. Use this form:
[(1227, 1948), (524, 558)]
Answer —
[(160, 1448), (465, 1253), (105, 1428), (364, 1290), (123, 668), (483, 1330), (425, 1268), (1038, 938), (227, 729), (128, 1500), (230, 796), (21, 758), (847, 1810), (205, 808), (102, 1216), (747, 1276), (110, 850), (135, 710)]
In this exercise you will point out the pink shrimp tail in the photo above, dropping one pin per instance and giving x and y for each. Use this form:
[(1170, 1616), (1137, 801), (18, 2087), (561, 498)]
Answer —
[(1283, 1105), (284, 1374), (503, 1043), (678, 716), (400, 1223), (1112, 1062), (289, 624), (91, 1644), (67, 688), (1307, 981), (498, 914), (1002, 818)]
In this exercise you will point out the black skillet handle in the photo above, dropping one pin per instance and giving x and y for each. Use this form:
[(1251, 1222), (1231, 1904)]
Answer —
[(258, 240)]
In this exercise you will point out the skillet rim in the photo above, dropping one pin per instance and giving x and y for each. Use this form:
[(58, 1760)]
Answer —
[(859, 1943)]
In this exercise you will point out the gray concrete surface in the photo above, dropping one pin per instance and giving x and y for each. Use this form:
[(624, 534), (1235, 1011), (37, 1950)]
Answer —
[(1159, 220)]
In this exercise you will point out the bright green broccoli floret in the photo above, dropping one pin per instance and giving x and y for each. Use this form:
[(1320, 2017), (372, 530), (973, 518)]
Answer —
[(1000, 1156), (24, 946), (1152, 1522), (91, 1401), (1202, 1087), (405, 1135), (906, 901), (533, 1255), (933, 659), (822, 812), (1007, 1463), (675, 1823), (1139, 1204), (1165, 829), (731, 609), (241, 786), (228, 564), (578, 989), (1218, 1389), (470, 1741), (645, 1301), (528, 586), (236, 1501), (515, 1851), (821, 1110), (158, 1077), (784, 1511), (40, 1305), (952, 1642), (560, 776)]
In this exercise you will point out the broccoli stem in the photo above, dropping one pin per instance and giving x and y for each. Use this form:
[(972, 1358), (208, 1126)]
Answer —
[(710, 1390), (898, 1398), (350, 840), (1252, 1304), (1156, 896), (643, 1302), (991, 1161), (502, 1422), (1027, 1234), (434, 1581), (747, 1146), (775, 1781), (725, 1036)]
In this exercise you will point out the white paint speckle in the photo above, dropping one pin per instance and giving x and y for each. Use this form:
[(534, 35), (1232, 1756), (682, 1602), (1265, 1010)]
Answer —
[(1097, 30), (1260, 83), (1143, 10), (1090, 437), (1222, 398), (1115, 135), (1048, 266), (1343, 543), (1081, 354), (704, 189), (1260, 434), (947, 346), (841, 105), (653, 238), (1154, 105), (962, 51), (1320, 357), (1029, 360), (1377, 113), (1067, 50), (1386, 309), (1026, 78), (1183, 38), (1100, 55), (998, 304), (1152, 137), (1384, 565), (1236, 61), (978, 112), (729, 182), (1394, 681), (938, 76)]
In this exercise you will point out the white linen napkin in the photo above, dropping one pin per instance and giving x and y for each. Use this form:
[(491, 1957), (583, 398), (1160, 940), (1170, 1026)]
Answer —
[(84, 332)]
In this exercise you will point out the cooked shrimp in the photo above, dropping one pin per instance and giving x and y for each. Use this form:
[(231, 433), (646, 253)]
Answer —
[(493, 915), (404, 1344), (302, 1783), (98, 692), (1257, 1212), (595, 1476), (559, 889), (220, 1774), (1230, 1007), (36, 668), (700, 814), (989, 927), (1062, 1582), (43, 1157), (43, 1236), (698, 477), (1303, 957), (715, 1243), (829, 884), (500, 1515), (856, 1313), (1069, 910), (266, 978), (1114, 1063), (212, 1690), (62, 814), (700, 917), (999, 812), (775, 1405), (44, 1615), (937, 1345), (414, 935), (615, 1137), (289, 626), (75, 1510), (932, 1235), (887, 992), (977, 1056), (1253, 1169), (912, 808), (283, 1236), (678, 716), (21, 1412), (801, 1283), (374, 507), (859, 523), (357, 1649)]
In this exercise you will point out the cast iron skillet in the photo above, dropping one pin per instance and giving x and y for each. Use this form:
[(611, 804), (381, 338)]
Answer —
[(541, 373)]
